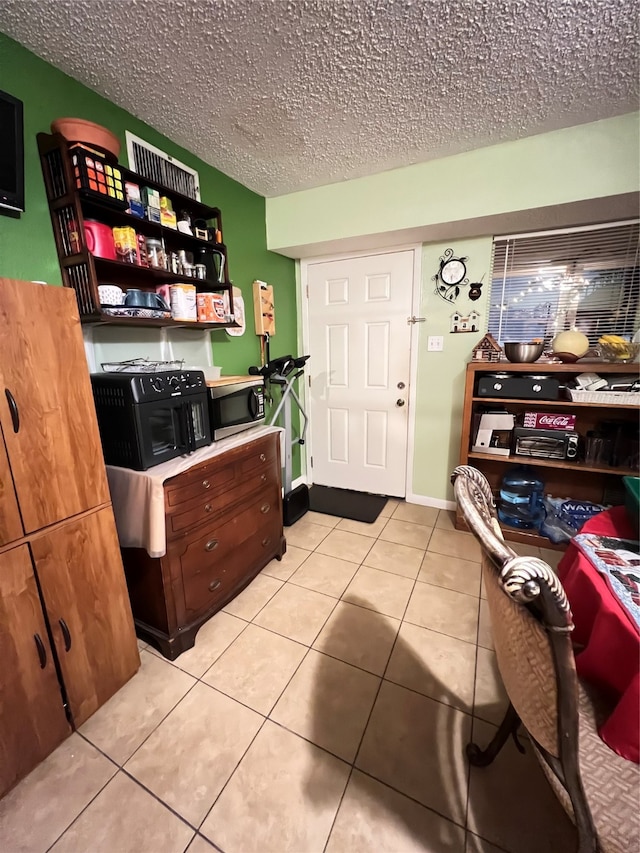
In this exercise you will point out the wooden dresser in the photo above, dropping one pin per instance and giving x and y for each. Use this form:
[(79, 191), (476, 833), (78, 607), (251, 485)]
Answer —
[(223, 520), (67, 641)]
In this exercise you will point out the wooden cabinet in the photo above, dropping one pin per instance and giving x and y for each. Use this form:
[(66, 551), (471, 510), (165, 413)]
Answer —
[(83, 271), (224, 524), (67, 641), (574, 478)]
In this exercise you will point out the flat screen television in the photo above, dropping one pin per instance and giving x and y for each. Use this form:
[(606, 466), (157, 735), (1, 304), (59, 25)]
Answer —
[(11, 154)]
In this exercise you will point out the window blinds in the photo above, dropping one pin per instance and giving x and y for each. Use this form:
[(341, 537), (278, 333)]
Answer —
[(583, 278)]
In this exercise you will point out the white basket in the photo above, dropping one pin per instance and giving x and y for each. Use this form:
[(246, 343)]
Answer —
[(611, 398)]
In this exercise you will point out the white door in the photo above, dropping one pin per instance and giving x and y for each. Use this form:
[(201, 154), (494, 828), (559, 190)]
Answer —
[(359, 342)]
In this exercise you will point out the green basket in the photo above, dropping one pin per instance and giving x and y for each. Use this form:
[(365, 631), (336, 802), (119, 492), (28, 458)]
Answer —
[(632, 502)]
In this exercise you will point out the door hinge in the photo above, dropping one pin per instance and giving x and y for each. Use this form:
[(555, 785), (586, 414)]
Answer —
[(307, 291), (309, 378), (411, 320), (311, 462)]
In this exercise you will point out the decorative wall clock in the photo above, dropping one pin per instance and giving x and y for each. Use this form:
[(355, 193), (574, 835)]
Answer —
[(451, 276)]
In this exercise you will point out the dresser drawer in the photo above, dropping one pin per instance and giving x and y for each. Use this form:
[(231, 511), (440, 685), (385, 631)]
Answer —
[(261, 454), (206, 481), (194, 512)]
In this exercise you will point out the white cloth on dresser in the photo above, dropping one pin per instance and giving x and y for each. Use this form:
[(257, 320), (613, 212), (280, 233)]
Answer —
[(138, 496)]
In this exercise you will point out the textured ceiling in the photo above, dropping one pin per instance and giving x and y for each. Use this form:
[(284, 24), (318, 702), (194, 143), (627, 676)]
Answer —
[(288, 94)]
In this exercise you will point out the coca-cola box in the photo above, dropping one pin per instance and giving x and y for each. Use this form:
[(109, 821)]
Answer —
[(549, 420)]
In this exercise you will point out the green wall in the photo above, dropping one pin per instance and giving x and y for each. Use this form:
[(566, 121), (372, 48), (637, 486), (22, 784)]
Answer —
[(27, 249)]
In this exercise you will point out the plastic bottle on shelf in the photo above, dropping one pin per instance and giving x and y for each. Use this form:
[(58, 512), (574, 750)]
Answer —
[(521, 498)]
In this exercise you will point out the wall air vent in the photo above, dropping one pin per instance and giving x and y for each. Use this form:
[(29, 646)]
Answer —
[(158, 166)]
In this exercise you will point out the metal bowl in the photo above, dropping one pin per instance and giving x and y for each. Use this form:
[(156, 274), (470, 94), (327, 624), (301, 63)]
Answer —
[(523, 353)]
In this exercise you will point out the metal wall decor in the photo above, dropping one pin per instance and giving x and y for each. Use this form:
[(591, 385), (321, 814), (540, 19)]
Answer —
[(451, 276)]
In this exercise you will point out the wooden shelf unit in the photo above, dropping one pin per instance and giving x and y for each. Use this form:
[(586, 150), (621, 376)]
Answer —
[(563, 477), (84, 272)]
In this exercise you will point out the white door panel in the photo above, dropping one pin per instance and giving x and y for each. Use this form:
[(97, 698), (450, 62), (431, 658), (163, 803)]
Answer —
[(359, 342)]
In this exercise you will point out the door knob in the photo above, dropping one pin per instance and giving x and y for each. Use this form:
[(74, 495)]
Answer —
[(400, 386), (399, 403)]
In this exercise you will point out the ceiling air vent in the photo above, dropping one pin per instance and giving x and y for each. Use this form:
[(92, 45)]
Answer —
[(158, 166)]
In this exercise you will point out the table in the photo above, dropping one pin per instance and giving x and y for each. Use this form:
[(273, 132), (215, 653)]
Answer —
[(610, 659)]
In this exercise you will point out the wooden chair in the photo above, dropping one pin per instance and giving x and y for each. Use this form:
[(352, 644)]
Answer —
[(532, 624)]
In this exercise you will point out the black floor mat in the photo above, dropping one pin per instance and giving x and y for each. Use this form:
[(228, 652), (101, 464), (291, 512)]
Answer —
[(358, 506)]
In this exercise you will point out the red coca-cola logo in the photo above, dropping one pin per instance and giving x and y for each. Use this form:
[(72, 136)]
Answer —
[(555, 420)]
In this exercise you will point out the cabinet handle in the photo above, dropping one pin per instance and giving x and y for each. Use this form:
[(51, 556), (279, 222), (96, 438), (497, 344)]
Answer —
[(264, 509), (208, 507), (211, 544), (264, 478), (206, 484), (66, 634), (213, 586), (263, 458), (266, 541), (42, 652), (13, 410)]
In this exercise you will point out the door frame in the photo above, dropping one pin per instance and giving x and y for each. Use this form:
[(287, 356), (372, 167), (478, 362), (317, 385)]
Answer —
[(302, 282)]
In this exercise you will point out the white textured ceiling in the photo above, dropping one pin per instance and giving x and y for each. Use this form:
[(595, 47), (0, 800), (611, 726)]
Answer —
[(288, 94)]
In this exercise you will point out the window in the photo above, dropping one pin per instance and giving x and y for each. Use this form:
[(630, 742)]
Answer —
[(583, 278)]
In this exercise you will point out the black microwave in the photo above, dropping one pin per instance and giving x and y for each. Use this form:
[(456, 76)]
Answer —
[(149, 418), (236, 403)]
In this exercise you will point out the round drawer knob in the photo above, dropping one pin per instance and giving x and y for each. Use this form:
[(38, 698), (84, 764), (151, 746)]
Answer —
[(213, 586), (206, 484), (211, 544), (264, 478), (208, 507), (264, 509), (266, 541), (263, 458)]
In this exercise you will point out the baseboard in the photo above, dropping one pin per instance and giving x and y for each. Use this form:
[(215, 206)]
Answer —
[(438, 503)]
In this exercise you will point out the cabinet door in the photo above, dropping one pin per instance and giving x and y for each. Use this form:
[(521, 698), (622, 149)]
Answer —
[(10, 523), (46, 405), (32, 718), (85, 595)]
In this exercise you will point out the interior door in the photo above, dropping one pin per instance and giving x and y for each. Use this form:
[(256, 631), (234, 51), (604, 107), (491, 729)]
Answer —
[(10, 523), (32, 718), (46, 405), (85, 595), (359, 342)]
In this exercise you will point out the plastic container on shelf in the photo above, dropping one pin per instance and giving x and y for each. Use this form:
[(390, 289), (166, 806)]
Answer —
[(521, 498)]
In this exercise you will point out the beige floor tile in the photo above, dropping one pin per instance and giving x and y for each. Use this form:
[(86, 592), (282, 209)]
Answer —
[(450, 572), (372, 530), (483, 591), (475, 844), (253, 597), (511, 804), (346, 546), (129, 717), (444, 610), (397, 559), (416, 745), (380, 591), (211, 640), (283, 797), (328, 702), (191, 755), (141, 644), (127, 819), (406, 533), (490, 700), (455, 543), (485, 636), (325, 574), (551, 557), (306, 534), (283, 569), (256, 668), (296, 613), (373, 817), (415, 513), (200, 845), (38, 810), (446, 519), (389, 508), (322, 518), (358, 636), (435, 665)]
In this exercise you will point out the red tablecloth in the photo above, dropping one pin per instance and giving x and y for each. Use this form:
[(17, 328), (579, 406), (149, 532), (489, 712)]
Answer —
[(610, 659)]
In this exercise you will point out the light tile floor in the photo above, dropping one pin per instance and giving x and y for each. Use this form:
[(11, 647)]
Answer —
[(326, 708)]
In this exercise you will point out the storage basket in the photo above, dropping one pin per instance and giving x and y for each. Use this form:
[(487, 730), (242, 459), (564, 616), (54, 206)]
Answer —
[(97, 177), (610, 398)]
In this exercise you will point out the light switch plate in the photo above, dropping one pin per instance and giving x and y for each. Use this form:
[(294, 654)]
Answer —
[(435, 343)]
